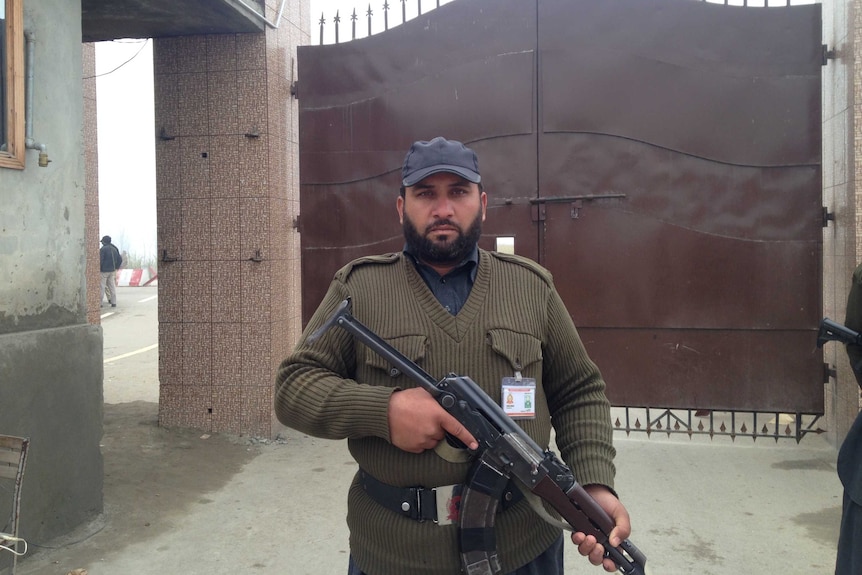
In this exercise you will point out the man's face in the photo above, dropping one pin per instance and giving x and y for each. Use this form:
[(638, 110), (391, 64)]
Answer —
[(442, 218)]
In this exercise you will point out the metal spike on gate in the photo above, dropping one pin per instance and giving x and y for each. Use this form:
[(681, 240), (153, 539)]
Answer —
[(403, 11), (353, 18), (337, 21), (322, 22), (369, 14), (386, 15)]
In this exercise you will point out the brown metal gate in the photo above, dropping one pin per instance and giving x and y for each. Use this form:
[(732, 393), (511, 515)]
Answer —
[(660, 157)]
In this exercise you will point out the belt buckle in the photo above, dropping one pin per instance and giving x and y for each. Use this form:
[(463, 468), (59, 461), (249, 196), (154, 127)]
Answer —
[(417, 492), (448, 500), (413, 509)]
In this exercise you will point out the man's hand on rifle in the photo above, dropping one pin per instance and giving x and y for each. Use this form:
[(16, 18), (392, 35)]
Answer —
[(417, 422), (587, 545)]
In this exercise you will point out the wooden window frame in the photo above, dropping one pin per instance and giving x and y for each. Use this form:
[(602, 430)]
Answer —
[(13, 156)]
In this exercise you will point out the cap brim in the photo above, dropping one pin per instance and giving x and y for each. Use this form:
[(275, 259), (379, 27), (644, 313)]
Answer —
[(420, 175)]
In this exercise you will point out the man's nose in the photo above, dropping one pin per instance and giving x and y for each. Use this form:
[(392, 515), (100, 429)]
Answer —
[(443, 207)]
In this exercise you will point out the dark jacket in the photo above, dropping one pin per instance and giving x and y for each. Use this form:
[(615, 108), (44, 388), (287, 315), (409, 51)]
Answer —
[(849, 559), (110, 259)]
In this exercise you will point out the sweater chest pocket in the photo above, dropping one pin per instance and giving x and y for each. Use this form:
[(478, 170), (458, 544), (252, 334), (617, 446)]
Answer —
[(410, 346), (522, 351)]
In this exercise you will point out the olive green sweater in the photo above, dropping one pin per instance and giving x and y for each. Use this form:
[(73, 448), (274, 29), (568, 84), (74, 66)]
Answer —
[(514, 320)]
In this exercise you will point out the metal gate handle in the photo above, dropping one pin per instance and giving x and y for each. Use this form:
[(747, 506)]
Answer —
[(576, 201)]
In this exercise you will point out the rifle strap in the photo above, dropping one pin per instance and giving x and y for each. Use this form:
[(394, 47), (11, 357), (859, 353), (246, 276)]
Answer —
[(538, 507)]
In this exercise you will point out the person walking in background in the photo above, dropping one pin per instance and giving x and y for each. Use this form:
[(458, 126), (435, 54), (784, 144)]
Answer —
[(456, 308), (849, 559), (110, 261)]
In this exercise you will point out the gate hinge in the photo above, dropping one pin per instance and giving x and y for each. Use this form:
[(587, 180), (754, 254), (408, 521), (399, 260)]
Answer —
[(827, 217), (826, 54), (294, 89), (295, 224), (828, 372)]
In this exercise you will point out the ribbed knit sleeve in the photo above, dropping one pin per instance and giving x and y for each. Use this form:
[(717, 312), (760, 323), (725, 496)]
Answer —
[(580, 411), (315, 390)]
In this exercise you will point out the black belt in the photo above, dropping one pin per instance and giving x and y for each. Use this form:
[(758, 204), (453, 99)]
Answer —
[(437, 504)]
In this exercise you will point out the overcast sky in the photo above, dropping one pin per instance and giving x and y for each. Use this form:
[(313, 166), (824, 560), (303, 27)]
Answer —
[(127, 173)]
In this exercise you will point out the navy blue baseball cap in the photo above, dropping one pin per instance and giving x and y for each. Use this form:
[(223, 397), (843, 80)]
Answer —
[(439, 155)]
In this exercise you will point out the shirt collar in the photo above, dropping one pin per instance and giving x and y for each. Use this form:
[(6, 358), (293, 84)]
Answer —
[(473, 258)]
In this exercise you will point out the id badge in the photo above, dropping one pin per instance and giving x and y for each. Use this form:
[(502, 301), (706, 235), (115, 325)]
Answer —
[(519, 397)]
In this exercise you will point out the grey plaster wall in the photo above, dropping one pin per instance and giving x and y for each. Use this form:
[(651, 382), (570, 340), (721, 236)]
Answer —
[(50, 357)]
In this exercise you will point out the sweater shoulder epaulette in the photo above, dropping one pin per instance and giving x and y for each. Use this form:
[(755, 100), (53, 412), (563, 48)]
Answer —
[(382, 259), (525, 263)]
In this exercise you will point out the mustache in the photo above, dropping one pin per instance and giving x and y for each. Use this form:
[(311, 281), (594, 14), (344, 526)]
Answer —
[(442, 224)]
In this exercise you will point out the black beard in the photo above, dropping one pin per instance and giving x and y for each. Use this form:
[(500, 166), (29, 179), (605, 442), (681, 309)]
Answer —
[(432, 252)]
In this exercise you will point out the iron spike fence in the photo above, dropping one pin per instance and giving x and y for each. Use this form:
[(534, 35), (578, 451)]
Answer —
[(369, 13), (386, 8), (713, 423)]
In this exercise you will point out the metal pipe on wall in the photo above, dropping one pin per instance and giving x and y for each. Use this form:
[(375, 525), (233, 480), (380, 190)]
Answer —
[(29, 142), (262, 17)]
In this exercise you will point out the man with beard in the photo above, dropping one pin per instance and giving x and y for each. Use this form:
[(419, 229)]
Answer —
[(452, 308)]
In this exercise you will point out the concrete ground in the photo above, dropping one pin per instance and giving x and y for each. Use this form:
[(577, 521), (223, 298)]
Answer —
[(181, 502)]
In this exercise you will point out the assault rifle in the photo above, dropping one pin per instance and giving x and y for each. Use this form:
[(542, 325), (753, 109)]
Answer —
[(504, 451), (833, 331)]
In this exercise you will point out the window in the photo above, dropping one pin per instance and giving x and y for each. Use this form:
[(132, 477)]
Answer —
[(12, 84)]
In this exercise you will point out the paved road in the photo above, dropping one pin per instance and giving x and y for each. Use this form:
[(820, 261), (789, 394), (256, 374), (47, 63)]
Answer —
[(131, 354)]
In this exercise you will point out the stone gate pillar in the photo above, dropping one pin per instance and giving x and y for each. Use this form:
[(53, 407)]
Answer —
[(227, 199)]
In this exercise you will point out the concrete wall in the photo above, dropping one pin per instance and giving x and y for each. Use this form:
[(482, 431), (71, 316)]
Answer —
[(91, 201), (842, 243), (50, 357)]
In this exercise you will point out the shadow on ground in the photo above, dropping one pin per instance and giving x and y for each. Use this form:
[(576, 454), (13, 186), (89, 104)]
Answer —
[(153, 476)]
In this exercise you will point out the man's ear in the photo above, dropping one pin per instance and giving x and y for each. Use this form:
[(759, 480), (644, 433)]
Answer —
[(399, 205), (484, 200)]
